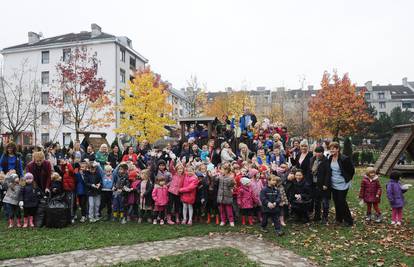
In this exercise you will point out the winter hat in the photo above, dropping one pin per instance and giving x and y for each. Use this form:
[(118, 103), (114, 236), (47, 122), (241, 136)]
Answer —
[(245, 181), (162, 162), (319, 149), (199, 174), (28, 175), (253, 172), (132, 175), (304, 142), (210, 167)]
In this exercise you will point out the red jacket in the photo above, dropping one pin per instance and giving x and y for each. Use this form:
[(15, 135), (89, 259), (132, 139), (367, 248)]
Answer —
[(370, 189), (160, 195), (41, 173), (246, 198), (68, 179), (189, 189), (237, 179)]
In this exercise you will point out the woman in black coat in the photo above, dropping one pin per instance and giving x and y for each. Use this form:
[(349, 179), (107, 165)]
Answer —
[(340, 171), (303, 161)]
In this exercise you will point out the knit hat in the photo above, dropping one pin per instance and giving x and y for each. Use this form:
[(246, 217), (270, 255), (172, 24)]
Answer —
[(245, 181), (161, 162), (28, 175), (304, 142), (132, 175), (210, 167), (253, 172)]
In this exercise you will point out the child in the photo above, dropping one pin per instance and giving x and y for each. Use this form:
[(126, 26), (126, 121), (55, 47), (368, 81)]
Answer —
[(211, 207), (188, 195), (93, 185), (11, 199), (204, 154), (160, 197), (81, 190), (145, 196), (173, 188), (395, 196), (56, 186), (270, 198), (275, 157), (225, 194), (2, 189), (106, 194), (246, 200), (283, 199), (201, 195), (370, 193), (120, 190), (257, 187), (29, 199), (300, 197), (132, 198)]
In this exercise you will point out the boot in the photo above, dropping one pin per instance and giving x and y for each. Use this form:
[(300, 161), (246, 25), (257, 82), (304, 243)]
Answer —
[(169, 221), (115, 216), (217, 220), (31, 222), (208, 218), (19, 223), (26, 221), (11, 223), (282, 221), (243, 220), (250, 220)]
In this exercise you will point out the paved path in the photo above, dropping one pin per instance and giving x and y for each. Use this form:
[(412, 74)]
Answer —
[(263, 252)]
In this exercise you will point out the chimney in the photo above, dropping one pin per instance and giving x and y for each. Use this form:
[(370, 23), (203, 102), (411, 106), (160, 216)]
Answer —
[(368, 85), (405, 82), (310, 87), (96, 30), (33, 37)]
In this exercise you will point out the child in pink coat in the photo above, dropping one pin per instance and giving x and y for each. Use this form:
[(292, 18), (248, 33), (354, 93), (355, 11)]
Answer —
[(370, 194), (246, 200), (174, 186), (257, 186), (188, 195), (160, 197)]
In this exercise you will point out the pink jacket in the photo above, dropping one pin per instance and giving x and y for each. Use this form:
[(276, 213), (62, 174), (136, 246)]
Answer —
[(133, 195), (245, 197), (189, 189), (256, 186), (160, 195), (176, 181)]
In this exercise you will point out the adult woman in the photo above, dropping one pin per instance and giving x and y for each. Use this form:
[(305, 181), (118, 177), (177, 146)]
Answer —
[(245, 154), (340, 171), (11, 161), (130, 155), (226, 154), (302, 161), (90, 154), (213, 152), (102, 155), (115, 157), (41, 170)]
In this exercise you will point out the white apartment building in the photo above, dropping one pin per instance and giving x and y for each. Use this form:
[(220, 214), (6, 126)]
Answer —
[(118, 61)]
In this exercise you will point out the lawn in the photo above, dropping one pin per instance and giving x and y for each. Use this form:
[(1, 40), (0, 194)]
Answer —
[(365, 244), (210, 257)]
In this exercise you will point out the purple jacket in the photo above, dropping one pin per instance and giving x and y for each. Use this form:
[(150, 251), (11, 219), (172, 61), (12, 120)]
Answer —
[(395, 194)]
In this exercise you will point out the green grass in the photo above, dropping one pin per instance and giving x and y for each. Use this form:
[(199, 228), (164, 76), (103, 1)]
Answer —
[(365, 244), (362, 245), (210, 257)]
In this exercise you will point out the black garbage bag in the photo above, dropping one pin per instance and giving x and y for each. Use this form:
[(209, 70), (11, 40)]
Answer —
[(57, 213), (41, 212)]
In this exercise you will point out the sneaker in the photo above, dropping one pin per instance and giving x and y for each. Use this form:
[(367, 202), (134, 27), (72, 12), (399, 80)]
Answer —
[(139, 220), (368, 218), (283, 224), (184, 222), (190, 222), (76, 217), (393, 223), (378, 219), (222, 224), (162, 222), (83, 219), (154, 222), (92, 220), (231, 224), (123, 220), (73, 221), (264, 230), (398, 223)]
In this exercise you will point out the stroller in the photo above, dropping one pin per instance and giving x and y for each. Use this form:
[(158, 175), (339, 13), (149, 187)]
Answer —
[(57, 212)]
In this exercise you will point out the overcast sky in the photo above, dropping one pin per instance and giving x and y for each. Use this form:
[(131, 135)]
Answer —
[(239, 43)]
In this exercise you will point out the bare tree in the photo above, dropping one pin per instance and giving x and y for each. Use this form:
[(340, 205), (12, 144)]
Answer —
[(196, 96), (20, 96)]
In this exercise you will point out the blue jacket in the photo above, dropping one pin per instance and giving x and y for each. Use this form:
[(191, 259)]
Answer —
[(80, 184), (107, 183), (242, 122), (7, 163), (272, 158)]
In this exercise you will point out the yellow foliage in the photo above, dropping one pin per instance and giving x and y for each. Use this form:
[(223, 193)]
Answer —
[(231, 103), (145, 106)]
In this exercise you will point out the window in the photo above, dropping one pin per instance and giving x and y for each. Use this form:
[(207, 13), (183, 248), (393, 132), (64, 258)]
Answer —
[(381, 96), (66, 118), (367, 96), (45, 77), (382, 104), (66, 139), (122, 55), (66, 54), (45, 57), (132, 63), (45, 138), (45, 98), (406, 105), (122, 75), (45, 118), (67, 98)]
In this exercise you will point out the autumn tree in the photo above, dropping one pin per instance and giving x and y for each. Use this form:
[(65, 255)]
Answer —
[(230, 103), (145, 107), (20, 97), (80, 95), (337, 109)]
